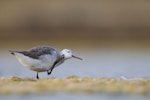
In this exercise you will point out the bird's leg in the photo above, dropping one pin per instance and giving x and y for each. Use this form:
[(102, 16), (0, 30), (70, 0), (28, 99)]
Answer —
[(50, 70), (37, 76)]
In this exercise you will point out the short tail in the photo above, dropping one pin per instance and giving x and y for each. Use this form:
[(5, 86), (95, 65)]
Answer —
[(12, 52)]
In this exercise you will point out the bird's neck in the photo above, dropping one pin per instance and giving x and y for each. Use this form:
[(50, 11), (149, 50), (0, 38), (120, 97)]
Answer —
[(60, 61)]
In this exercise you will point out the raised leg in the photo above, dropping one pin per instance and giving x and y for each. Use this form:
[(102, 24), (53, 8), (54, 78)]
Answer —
[(37, 76), (50, 70)]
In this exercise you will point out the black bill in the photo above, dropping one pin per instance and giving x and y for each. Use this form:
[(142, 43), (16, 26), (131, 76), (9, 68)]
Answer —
[(76, 57)]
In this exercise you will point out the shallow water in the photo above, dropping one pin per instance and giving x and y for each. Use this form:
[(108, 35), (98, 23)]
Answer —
[(68, 96), (108, 62)]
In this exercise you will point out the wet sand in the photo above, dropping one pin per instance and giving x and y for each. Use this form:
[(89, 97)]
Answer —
[(73, 84)]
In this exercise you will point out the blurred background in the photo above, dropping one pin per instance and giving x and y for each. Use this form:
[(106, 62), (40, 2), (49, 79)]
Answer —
[(112, 36)]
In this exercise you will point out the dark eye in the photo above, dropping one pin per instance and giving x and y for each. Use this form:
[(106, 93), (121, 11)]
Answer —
[(63, 56)]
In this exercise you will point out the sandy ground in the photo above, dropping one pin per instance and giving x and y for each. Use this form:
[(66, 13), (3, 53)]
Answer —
[(16, 85)]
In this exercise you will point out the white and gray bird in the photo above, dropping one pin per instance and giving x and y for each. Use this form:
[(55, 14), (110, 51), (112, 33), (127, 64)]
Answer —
[(42, 58)]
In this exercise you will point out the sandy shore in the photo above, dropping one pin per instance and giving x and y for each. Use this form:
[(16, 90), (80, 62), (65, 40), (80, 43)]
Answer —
[(16, 85)]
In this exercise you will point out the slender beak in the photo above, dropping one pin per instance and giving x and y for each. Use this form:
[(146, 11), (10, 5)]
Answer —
[(76, 57)]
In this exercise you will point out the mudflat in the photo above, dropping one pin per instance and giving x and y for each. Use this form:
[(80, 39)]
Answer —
[(73, 84)]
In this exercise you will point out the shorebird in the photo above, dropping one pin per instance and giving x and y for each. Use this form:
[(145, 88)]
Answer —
[(42, 58)]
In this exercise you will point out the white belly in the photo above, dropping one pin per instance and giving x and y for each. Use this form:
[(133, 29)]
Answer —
[(44, 62)]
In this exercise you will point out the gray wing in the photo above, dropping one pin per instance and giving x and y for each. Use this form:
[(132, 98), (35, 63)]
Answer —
[(36, 52)]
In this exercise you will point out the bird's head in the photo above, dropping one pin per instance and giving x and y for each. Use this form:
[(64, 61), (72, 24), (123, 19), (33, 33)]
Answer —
[(68, 54)]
